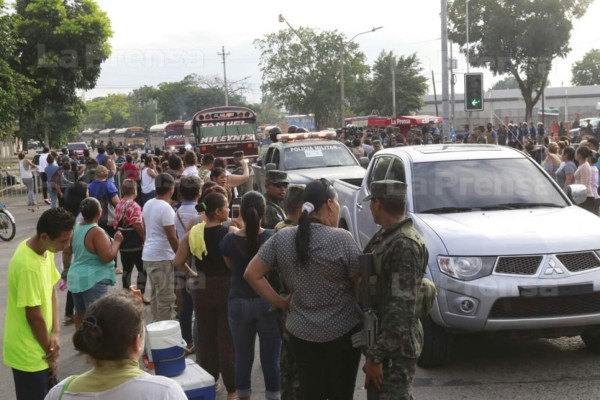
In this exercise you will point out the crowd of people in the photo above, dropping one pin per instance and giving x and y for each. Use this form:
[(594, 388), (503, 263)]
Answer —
[(279, 270)]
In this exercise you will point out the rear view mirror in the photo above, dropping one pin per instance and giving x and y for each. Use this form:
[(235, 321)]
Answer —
[(577, 193), (364, 161)]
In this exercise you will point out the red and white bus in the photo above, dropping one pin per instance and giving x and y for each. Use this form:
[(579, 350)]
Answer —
[(169, 136), (224, 130), (368, 121)]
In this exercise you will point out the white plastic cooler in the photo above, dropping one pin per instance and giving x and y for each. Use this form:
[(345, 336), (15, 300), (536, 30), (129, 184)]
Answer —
[(196, 382)]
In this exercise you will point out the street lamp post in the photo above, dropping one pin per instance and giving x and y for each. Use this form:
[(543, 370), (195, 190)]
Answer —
[(342, 84)]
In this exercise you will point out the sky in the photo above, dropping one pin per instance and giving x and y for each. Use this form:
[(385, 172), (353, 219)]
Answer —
[(161, 41)]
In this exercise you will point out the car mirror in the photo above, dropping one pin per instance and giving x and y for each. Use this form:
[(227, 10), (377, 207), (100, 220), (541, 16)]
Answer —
[(259, 162), (577, 193), (270, 167), (364, 162)]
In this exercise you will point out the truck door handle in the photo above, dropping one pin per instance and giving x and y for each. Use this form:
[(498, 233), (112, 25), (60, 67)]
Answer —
[(359, 206)]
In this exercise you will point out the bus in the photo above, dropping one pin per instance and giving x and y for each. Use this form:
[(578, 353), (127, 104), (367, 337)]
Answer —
[(224, 130), (118, 137), (135, 137), (174, 136), (89, 135), (104, 136)]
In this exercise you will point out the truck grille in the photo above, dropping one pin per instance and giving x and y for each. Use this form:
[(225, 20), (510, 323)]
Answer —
[(540, 307), (576, 262), (518, 265)]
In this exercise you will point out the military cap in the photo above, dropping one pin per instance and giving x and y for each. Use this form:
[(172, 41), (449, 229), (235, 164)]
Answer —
[(387, 189), (274, 177)]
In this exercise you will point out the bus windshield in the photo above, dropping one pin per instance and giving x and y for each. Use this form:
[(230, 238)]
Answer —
[(219, 129)]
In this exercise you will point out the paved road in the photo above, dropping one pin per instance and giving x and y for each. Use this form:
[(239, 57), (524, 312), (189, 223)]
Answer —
[(483, 368)]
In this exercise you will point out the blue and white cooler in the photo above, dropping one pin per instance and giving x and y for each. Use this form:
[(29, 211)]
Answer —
[(166, 347), (196, 382)]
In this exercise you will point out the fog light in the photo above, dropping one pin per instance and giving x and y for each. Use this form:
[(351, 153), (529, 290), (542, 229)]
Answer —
[(467, 306)]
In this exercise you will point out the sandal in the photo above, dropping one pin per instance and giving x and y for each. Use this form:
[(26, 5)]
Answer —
[(68, 320)]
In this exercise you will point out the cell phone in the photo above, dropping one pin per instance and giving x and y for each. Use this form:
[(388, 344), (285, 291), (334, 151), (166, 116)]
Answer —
[(235, 211)]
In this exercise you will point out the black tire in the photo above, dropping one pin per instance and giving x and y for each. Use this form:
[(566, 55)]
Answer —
[(437, 345), (7, 227), (592, 342)]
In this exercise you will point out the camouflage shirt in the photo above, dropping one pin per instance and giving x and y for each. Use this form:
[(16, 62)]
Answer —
[(274, 214), (402, 267)]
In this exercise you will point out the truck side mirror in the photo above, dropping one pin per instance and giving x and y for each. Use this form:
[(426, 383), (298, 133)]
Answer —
[(259, 162), (364, 162), (270, 166), (577, 193)]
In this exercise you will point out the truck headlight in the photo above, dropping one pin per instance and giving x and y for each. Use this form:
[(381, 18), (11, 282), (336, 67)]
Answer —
[(466, 268)]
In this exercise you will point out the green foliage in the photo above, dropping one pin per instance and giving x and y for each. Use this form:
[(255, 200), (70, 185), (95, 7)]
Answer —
[(304, 76), (64, 44), (587, 70), (410, 86), (517, 37), (506, 83), (15, 89), (267, 111)]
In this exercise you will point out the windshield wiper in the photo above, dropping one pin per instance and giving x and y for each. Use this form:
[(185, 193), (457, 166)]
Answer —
[(512, 206), (446, 210)]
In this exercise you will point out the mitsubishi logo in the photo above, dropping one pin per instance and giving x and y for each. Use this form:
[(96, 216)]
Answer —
[(553, 269)]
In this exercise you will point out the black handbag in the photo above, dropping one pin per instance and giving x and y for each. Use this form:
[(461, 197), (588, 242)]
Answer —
[(131, 239)]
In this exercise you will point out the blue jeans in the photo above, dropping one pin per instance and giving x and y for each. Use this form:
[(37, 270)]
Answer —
[(147, 196), (53, 198), (84, 299), (247, 317)]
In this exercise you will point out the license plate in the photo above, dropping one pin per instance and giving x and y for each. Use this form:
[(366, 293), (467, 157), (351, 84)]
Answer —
[(556, 290)]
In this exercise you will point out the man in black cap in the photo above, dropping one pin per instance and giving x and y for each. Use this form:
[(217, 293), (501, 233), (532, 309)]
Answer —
[(276, 184)]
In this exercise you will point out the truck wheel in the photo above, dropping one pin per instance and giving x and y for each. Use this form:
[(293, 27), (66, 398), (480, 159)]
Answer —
[(437, 344), (592, 341)]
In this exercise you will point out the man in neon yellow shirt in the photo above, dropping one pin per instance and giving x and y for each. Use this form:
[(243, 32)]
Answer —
[(31, 328)]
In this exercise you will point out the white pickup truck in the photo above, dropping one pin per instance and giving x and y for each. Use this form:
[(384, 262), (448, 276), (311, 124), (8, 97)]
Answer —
[(508, 250)]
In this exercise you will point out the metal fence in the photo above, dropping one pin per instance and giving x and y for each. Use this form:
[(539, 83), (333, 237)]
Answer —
[(14, 192)]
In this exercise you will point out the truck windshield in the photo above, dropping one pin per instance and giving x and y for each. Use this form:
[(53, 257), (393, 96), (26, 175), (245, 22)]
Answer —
[(496, 184), (318, 156)]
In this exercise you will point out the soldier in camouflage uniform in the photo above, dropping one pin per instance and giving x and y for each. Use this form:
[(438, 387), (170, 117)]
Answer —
[(276, 183), (290, 381), (400, 257)]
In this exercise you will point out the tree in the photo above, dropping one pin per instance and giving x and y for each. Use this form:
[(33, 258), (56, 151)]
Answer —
[(112, 111), (587, 71), (516, 37), (64, 44), (410, 85), (506, 83), (15, 89), (304, 76)]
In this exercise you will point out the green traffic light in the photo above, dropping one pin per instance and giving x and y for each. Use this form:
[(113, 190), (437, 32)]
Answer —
[(475, 102)]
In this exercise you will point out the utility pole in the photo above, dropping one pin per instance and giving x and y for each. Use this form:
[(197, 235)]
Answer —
[(393, 65), (445, 102), (452, 83), (223, 54)]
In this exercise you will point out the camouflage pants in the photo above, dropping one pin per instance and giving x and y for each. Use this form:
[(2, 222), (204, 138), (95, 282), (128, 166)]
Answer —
[(397, 379), (290, 382)]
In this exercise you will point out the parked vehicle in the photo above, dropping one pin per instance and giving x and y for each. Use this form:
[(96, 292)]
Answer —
[(309, 156), (576, 134), (509, 252), (77, 148)]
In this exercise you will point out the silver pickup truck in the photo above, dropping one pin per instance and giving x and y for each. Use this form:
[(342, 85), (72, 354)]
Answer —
[(305, 160), (508, 250)]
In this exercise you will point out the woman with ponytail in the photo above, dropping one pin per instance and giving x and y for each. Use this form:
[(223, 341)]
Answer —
[(249, 315), (210, 294), (318, 263), (112, 336)]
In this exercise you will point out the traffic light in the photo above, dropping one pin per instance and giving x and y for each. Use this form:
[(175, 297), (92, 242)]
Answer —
[(474, 92)]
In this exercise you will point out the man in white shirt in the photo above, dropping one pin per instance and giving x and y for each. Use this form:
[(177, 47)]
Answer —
[(42, 164), (160, 247)]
